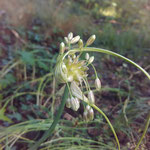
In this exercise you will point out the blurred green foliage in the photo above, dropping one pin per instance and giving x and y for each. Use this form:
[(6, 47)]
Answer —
[(122, 26)]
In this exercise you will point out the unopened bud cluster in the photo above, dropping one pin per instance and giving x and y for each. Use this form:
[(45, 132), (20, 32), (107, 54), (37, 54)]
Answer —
[(71, 68), (70, 39), (88, 113), (73, 103)]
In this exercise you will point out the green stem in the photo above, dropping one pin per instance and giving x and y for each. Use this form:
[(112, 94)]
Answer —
[(126, 59), (25, 72), (101, 112), (69, 90), (94, 70), (2, 74), (52, 127), (109, 53), (144, 132)]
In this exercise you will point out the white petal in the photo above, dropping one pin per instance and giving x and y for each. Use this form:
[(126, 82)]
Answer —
[(91, 97), (70, 36), (75, 104), (75, 39), (76, 91)]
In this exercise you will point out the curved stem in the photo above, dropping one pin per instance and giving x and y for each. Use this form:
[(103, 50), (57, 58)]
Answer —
[(52, 127), (92, 49), (144, 132), (2, 74), (101, 112), (94, 70)]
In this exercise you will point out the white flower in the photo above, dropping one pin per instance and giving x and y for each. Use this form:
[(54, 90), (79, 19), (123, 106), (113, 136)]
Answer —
[(70, 36), (91, 114), (80, 44), (91, 97), (70, 68), (75, 39), (91, 59), (76, 91), (66, 40), (88, 114), (85, 115), (68, 103), (75, 104), (87, 56), (97, 83), (90, 40), (62, 47)]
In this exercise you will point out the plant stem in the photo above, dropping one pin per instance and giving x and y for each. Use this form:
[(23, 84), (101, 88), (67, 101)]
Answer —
[(93, 49), (33, 72), (101, 112), (52, 127), (94, 70), (144, 132), (2, 74), (25, 72)]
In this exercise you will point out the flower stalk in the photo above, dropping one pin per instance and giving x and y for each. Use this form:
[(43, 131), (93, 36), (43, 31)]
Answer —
[(55, 122)]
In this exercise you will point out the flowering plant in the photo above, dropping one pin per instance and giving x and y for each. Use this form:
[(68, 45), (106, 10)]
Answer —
[(71, 70)]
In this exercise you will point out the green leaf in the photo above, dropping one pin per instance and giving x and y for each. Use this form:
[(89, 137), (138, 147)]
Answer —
[(8, 80), (3, 117), (16, 115), (24, 107), (27, 57), (43, 65)]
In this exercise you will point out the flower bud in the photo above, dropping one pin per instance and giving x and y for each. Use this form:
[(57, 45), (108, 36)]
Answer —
[(75, 39), (68, 103), (62, 47), (91, 114), (91, 97), (87, 56), (90, 40), (66, 40), (80, 43), (97, 83), (75, 104), (60, 75), (64, 68), (85, 115), (70, 36), (91, 59), (88, 108), (88, 113)]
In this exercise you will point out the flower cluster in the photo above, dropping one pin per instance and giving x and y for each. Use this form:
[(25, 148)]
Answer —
[(70, 68)]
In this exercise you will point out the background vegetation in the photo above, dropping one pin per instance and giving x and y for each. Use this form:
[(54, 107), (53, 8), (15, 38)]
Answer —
[(30, 33)]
